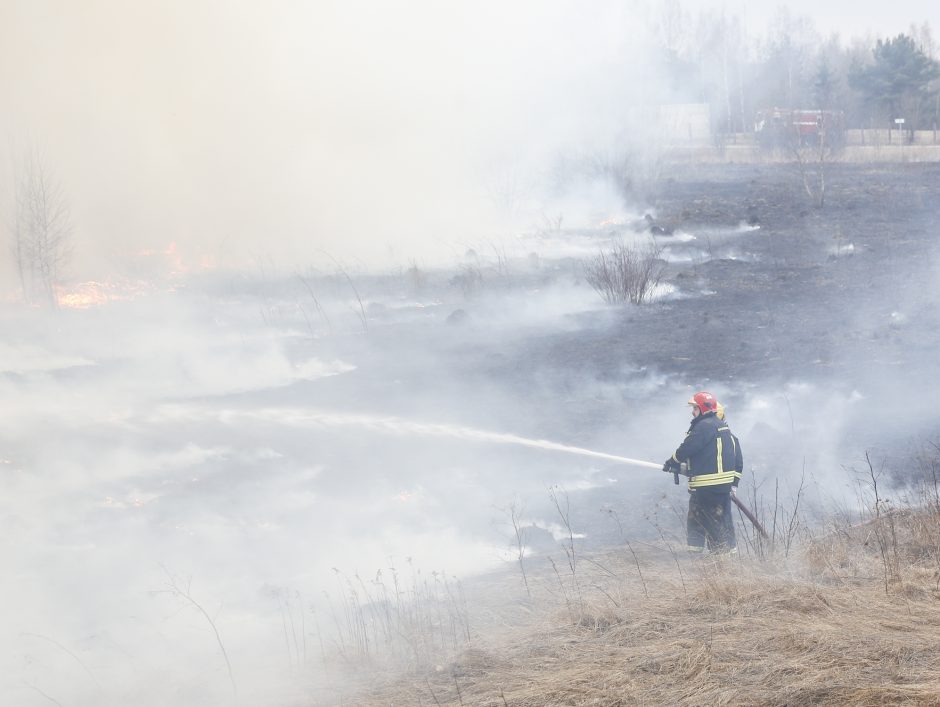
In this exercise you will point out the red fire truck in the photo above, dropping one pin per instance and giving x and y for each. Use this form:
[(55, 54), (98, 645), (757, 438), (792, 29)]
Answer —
[(781, 127)]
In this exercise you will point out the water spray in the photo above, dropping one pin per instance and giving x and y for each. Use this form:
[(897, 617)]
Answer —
[(308, 418)]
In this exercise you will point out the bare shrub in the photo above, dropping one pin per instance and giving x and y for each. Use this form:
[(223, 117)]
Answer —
[(416, 278), (625, 273), (469, 278)]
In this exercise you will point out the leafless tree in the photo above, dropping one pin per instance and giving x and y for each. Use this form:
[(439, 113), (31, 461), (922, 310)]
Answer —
[(40, 229), (813, 160)]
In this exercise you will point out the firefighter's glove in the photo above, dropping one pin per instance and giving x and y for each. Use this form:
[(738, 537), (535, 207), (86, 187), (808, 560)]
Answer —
[(671, 466)]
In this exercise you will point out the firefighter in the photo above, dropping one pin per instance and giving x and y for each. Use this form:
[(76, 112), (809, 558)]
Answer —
[(713, 463)]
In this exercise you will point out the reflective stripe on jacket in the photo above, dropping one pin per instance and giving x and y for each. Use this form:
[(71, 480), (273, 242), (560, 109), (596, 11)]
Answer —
[(712, 453)]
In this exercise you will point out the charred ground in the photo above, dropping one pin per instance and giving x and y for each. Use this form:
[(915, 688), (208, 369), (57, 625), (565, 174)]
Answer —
[(771, 290), (797, 303), (838, 610)]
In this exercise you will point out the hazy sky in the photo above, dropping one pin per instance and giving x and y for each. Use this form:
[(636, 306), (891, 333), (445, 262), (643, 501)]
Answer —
[(244, 132), (845, 17), (247, 132)]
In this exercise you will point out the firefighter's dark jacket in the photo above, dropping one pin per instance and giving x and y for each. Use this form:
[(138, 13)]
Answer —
[(712, 453)]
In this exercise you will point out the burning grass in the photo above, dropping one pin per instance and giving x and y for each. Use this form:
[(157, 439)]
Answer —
[(820, 627)]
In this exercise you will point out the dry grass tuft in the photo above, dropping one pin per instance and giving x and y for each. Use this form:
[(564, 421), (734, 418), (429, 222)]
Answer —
[(819, 628)]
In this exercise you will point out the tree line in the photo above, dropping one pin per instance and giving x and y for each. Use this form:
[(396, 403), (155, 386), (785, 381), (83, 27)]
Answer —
[(711, 58)]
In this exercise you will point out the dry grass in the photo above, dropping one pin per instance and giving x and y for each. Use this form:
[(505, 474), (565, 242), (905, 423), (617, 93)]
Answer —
[(820, 628)]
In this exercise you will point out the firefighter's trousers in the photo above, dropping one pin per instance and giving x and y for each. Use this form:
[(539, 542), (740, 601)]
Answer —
[(710, 523)]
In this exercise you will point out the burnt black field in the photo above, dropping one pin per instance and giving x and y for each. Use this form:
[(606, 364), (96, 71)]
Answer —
[(251, 438), (843, 295)]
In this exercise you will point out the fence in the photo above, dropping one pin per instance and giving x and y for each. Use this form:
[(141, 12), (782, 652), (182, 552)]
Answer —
[(869, 145), (878, 136)]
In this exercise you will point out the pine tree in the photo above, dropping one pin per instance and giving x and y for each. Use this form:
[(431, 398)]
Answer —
[(897, 82)]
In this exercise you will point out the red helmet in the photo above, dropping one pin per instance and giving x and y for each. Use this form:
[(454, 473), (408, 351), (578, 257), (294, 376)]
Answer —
[(705, 402)]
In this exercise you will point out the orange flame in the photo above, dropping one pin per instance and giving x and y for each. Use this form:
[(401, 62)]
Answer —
[(174, 259), (93, 293)]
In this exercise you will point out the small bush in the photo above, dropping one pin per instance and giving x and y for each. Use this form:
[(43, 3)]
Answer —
[(626, 273)]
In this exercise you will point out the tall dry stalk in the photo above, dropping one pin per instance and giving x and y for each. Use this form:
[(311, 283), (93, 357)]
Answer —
[(183, 592), (519, 532), (564, 512), (316, 303), (611, 513), (409, 620)]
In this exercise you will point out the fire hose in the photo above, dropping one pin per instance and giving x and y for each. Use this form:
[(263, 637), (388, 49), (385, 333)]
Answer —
[(683, 468), (748, 514)]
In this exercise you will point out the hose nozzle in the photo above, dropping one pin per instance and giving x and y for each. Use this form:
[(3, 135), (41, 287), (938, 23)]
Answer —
[(683, 469)]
